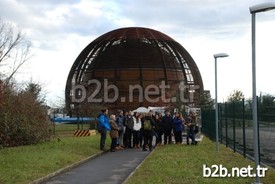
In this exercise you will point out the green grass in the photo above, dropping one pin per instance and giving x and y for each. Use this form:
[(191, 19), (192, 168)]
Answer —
[(167, 164), (62, 129), (183, 164), (26, 163)]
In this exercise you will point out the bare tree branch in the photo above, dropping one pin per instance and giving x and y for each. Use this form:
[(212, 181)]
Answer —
[(14, 48), (24, 57)]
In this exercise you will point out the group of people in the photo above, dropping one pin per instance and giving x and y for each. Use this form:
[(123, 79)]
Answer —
[(136, 130)]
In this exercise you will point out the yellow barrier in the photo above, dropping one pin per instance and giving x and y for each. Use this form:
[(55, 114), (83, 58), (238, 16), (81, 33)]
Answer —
[(80, 133)]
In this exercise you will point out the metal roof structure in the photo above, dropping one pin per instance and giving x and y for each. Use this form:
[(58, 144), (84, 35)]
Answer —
[(128, 57)]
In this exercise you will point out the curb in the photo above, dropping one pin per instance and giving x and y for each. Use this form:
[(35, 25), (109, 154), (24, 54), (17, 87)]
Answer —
[(65, 169)]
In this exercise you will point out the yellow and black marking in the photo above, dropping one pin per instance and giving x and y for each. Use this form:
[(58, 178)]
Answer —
[(80, 133)]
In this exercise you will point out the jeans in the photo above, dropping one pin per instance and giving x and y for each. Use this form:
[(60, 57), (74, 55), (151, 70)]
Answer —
[(128, 138), (148, 139), (113, 144), (120, 138), (159, 137), (103, 139), (178, 136), (167, 135), (136, 137), (191, 134)]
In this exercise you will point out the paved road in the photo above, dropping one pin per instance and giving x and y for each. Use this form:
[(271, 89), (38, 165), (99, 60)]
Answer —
[(109, 168)]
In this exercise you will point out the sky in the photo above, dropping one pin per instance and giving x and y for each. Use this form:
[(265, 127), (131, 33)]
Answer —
[(60, 30)]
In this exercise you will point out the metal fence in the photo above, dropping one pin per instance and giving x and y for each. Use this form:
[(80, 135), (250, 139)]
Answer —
[(236, 129)]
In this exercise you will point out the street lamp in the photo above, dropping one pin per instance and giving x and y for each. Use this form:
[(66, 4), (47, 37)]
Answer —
[(253, 10), (220, 55)]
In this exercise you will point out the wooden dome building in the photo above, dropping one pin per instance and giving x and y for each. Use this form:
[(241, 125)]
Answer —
[(131, 67)]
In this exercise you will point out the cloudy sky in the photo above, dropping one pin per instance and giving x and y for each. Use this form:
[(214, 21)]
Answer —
[(60, 30)]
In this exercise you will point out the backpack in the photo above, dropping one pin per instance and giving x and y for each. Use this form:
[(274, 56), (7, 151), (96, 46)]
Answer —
[(147, 125)]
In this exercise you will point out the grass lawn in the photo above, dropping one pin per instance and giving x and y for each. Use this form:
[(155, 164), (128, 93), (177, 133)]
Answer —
[(182, 164), (26, 163), (178, 164)]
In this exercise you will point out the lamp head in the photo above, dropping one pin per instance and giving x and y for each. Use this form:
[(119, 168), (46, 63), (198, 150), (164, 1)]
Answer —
[(220, 55), (262, 7)]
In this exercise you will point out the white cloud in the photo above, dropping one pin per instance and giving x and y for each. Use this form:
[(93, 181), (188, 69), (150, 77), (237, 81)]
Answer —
[(60, 30)]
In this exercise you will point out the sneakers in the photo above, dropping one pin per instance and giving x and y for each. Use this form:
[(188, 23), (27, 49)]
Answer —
[(136, 146), (119, 148)]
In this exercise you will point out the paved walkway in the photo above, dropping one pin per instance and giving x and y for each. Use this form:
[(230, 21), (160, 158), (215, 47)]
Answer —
[(108, 168)]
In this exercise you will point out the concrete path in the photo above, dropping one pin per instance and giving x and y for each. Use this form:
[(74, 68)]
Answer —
[(109, 168)]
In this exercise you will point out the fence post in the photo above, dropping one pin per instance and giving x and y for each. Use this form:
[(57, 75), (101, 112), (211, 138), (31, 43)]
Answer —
[(234, 133), (226, 133), (258, 130), (244, 141), (220, 123), (53, 122), (78, 122)]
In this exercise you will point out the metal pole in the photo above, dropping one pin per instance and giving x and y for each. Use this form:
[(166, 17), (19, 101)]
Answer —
[(221, 124), (234, 127), (226, 132), (244, 140), (216, 108), (254, 97)]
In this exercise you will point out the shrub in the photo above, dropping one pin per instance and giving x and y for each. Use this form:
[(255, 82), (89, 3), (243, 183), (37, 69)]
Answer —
[(23, 120)]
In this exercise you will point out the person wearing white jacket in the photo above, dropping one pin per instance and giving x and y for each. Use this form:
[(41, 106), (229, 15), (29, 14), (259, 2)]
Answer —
[(136, 129)]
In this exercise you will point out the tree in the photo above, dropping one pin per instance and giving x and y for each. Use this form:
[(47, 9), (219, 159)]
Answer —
[(206, 102), (235, 96), (267, 100), (14, 49), (35, 90), (266, 107)]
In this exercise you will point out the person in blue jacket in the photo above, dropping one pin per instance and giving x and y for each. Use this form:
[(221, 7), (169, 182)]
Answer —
[(178, 123), (104, 126)]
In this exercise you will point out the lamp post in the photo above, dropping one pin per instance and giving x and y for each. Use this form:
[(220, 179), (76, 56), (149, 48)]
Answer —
[(253, 10), (220, 55)]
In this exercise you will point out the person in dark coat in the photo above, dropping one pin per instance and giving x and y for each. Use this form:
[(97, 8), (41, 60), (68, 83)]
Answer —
[(158, 129), (148, 125), (167, 122), (129, 123)]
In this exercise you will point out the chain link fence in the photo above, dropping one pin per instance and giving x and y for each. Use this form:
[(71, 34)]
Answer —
[(236, 128)]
